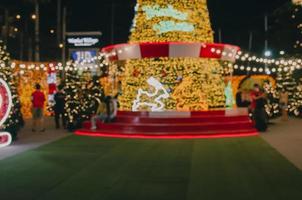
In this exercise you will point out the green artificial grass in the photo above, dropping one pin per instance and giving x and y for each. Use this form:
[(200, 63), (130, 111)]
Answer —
[(117, 169)]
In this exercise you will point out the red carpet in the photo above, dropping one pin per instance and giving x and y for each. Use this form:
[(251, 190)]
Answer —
[(167, 125)]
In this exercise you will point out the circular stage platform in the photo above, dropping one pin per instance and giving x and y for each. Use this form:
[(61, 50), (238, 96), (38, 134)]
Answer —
[(174, 125)]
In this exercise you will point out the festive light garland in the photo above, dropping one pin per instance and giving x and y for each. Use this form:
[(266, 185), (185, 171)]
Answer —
[(253, 64), (103, 60)]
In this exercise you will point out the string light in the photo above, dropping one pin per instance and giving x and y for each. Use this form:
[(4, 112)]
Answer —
[(271, 65), (97, 61), (34, 17)]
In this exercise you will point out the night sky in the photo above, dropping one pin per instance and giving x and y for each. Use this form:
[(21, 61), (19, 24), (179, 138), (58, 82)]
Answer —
[(236, 18)]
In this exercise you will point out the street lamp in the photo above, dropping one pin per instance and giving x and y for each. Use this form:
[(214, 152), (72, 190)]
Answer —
[(282, 53), (34, 17), (18, 17), (267, 53)]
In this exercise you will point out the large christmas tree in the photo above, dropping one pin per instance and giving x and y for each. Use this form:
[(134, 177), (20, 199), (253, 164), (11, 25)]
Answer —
[(192, 84), (15, 119)]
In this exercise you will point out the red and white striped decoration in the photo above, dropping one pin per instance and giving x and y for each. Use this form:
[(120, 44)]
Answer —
[(223, 52)]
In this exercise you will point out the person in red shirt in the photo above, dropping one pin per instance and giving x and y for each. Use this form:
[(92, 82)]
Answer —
[(256, 94), (38, 100)]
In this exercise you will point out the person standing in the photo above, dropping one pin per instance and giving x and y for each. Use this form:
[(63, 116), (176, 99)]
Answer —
[(38, 100), (239, 99), (283, 101), (255, 95), (59, 107), (258, 108)]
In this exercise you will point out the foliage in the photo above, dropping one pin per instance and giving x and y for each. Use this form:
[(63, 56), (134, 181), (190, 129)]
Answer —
[(15, 119)]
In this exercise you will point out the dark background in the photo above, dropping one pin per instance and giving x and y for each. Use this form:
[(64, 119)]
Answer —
[(235, 18)]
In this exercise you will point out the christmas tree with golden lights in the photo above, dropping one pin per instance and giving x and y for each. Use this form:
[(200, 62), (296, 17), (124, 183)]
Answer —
[(14, 122), (192, 83)]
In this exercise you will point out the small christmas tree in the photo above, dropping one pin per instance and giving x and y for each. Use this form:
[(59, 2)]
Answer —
[(272, 107), (73, 104), (286, 81), (93, 94), (15, 119), (82, 97)]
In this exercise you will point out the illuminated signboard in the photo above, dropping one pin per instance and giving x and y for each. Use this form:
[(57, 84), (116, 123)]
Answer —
[(80, 56), (83, 40)]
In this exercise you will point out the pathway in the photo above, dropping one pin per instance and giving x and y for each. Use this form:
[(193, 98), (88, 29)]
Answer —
[(28, 140), (286, 137)]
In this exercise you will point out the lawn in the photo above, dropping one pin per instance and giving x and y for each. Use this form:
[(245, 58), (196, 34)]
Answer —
[(115, 169)]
